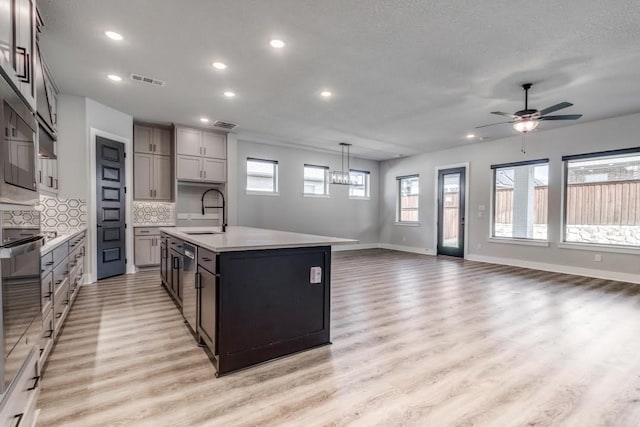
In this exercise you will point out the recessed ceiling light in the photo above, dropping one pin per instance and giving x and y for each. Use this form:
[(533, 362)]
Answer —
[(114, 77), (204, 120), (113, 35), (325, 94), (229, 94), (220, 65), (470, 136), (277, 44)]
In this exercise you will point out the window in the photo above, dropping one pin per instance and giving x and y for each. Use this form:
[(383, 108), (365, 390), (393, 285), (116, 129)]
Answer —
[(602, 198), (408, 190), (359, 189), (262, 175), (315, 180), (520, 194)]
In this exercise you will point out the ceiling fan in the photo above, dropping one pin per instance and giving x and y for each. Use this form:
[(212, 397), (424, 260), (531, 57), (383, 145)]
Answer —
[(527, 120)]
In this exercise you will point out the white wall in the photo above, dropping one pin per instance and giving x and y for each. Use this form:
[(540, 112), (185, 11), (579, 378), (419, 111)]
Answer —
[(291, 211), (610, 134)]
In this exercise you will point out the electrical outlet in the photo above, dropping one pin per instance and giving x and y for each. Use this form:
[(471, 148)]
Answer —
[(597, 258), (315, 275)]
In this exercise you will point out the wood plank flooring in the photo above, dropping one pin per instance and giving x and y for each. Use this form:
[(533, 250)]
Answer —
[(417, 341)]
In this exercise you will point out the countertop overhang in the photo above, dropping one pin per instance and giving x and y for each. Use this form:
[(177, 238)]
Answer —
[(237, 238)]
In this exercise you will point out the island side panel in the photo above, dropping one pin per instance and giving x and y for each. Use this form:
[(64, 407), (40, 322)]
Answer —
[(268, 306)]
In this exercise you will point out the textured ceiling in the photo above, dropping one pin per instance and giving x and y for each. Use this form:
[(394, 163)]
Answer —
[(408, 76)]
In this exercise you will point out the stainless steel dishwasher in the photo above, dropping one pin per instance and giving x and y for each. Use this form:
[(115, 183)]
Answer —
[(189, 290)]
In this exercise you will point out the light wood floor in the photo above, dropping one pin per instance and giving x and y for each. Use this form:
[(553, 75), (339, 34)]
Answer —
[(417, 340)]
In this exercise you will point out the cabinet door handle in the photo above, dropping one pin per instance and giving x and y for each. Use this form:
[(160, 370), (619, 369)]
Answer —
[(35, 384), (18, 420), (56, 183), (40, 177), (150, 147), (198, 283), (150, 193), (49, 333), (24, 78), (205, 174), (58, 315), (50, 181)]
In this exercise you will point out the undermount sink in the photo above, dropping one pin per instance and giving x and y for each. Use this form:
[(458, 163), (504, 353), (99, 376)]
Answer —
[(197, 233)]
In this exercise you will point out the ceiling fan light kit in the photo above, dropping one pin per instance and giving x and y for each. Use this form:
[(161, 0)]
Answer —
[(526, 120)]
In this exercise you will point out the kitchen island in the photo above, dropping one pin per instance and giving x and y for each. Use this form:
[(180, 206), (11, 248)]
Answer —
[(249, 294)]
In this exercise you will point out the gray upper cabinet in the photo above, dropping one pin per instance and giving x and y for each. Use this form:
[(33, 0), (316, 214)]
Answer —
[(152, 177), (17, 44), (152, 165), (201, 156), (151, 140), (214, 145), (188, 141)]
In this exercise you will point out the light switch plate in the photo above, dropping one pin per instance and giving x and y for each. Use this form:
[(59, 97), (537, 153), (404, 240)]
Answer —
[(315, 275)]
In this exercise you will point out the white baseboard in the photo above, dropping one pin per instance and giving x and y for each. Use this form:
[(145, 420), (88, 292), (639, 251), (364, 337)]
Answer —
[(402, 248), (354, 247), (555, 268)]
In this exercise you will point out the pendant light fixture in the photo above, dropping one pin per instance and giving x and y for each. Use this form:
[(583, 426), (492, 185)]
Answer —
[(343, 177)]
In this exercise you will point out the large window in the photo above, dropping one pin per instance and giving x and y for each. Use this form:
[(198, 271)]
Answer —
[(520, 194), (315, 180), (262, 175), (602, 198), (408, 194), (359, 189)]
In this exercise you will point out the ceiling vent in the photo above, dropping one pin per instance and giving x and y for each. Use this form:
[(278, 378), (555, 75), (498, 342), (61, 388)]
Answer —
[(148, 80), (224, 125)]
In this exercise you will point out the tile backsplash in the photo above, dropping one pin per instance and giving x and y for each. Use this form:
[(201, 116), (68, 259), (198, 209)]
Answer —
[(55, 215), (62, 215), (154, 213)]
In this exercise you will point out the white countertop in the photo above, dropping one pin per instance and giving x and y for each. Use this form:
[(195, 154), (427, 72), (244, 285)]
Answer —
[(54, 243), (248, 238)]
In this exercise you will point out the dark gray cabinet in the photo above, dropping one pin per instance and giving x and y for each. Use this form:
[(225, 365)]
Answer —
[(207, 298)]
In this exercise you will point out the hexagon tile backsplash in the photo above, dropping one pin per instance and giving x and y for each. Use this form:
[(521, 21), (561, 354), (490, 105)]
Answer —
[(62, 215), (154, 213)]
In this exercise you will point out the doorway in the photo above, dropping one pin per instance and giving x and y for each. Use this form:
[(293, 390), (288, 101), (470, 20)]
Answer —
[(451, 211), (110, 207)]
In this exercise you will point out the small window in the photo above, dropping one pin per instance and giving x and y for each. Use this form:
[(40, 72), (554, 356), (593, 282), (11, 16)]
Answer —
[(359, 189), (262, 175), (409, 192), (315, 180), (520, 195), (602, 198)]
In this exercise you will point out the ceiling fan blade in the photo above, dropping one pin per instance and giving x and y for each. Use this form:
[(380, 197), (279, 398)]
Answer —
[(492, 124), (565, 117), (555, 108), (500, 113)]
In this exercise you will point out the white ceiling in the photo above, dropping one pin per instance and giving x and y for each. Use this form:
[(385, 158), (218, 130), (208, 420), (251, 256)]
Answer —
[(408, 76)]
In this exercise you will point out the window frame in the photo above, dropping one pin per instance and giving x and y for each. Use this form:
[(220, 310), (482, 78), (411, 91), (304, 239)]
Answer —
[(367, 185), (399, 180), (590, 246), (275, 178), (492, 213), (325, 181)]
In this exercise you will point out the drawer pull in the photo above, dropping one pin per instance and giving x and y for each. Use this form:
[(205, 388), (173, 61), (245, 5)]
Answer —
[(18, 420), (59, 281), (35, 384), (48, 295), (49, 263), (58, 315), (49, 333), (206, 259)]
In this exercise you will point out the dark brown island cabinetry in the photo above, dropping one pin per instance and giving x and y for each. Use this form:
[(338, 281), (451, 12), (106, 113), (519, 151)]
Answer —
[(251, 305)]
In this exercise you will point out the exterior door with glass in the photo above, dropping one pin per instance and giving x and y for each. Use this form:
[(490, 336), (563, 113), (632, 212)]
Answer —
[(451, 196)]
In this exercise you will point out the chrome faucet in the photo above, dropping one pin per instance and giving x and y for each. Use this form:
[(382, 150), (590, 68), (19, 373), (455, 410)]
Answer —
[(224, 223)]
